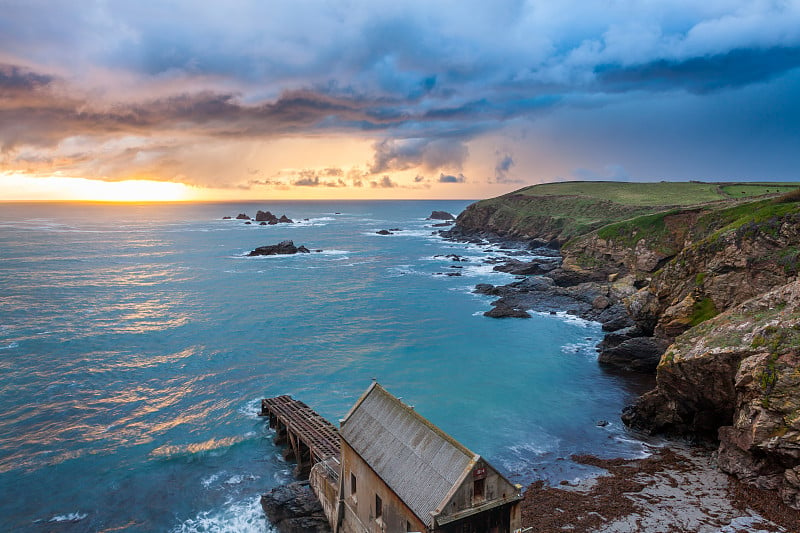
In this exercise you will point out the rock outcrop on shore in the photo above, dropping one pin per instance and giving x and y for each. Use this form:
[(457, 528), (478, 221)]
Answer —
[(704, 295), (294, 508)]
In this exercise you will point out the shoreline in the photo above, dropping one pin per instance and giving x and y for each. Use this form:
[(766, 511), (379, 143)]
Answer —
[(679, 489), (543, 285)]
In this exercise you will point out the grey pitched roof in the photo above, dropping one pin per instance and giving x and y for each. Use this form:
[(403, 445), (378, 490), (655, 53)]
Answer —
[(417, 460)]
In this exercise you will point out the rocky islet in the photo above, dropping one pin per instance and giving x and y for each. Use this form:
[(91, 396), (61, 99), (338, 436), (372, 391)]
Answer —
[(264, 218), (282, 248)]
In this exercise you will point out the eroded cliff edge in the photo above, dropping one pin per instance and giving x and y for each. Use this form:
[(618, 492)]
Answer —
[(710, 292), (737, 377)]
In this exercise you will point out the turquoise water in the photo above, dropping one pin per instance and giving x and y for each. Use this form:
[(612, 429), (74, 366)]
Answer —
[(136, 342)]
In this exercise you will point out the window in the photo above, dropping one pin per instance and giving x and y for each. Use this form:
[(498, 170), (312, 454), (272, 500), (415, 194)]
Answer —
[(478, 489), (352, 484), (378, 507)]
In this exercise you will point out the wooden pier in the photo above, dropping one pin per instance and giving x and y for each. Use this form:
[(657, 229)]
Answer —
[(310, 439)]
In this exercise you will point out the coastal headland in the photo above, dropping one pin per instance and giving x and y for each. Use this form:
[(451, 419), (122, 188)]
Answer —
[(694, 282)]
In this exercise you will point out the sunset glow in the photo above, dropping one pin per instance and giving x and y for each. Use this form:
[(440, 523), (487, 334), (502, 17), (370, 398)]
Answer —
[(377, 100), (19, 187)]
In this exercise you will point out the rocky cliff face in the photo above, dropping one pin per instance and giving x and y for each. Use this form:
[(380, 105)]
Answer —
[(716, 273), (639, 246), (694, 263), (737, 377)]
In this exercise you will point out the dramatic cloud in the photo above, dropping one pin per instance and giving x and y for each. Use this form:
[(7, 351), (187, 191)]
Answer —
[(448, 178), (191, 90), (412, 153), (504, 163), (702, 74)]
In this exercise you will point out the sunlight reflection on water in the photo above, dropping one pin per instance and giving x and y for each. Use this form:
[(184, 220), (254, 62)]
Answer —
[(137, 343)]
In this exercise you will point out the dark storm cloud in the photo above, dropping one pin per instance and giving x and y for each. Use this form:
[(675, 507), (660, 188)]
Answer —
[(47, 117), (419, 79), (16, 81), (703, 74), (42, 115), (449, 178), (409, 153), (501, 168)]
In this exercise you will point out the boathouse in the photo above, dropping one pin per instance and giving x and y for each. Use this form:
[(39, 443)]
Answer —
[(399, 473)]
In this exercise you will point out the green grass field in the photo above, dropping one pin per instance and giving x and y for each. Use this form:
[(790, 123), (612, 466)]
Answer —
[(632, 210), (744, 190), (660, 193)]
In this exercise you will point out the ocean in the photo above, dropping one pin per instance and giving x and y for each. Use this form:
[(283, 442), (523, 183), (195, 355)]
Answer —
[(136, 342)]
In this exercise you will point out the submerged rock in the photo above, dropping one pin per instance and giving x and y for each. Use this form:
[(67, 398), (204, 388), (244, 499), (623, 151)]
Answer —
[(384, 232), (452, 257), (294, 508), (507, 311)]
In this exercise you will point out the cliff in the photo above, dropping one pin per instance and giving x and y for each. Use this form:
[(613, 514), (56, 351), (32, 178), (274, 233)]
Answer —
[(552, 219), (709, 281), (695, 262), (737, 377)]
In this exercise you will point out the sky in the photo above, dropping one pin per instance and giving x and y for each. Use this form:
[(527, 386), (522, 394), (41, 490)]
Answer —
[(256, 99)]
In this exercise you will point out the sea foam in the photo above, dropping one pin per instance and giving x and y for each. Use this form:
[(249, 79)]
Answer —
[(245, 516), (71, 517)]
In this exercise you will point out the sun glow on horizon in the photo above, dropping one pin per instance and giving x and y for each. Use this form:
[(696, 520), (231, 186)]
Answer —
[(21, 187)]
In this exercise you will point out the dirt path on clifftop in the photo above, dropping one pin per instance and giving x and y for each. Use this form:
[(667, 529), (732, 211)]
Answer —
[(677, 490)]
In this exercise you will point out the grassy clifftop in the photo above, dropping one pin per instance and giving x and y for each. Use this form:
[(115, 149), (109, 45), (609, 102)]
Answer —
[(558, 212), (656, 193)]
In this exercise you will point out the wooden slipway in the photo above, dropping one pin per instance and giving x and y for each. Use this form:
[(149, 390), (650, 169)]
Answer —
[(310, 438)]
